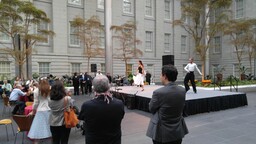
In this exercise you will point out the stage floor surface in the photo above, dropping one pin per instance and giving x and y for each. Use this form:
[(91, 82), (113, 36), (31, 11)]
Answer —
[(148, 91), (205, 100)]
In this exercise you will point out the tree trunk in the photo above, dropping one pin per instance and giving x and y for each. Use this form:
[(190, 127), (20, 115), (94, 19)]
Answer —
[(126, 69), (88, 65)]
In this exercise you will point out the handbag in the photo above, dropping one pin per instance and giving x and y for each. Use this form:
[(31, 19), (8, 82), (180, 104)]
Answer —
[(70, 118)]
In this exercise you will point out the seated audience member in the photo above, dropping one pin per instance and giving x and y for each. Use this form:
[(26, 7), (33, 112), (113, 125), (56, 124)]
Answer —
[(102, 115), (14, 98), (7, 87)]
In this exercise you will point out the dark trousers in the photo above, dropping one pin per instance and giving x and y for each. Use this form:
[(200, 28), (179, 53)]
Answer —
[(76, 90), (60, 134), (148, 81), (89, 88), (190, 77), (173, 142), (19, 107), (83, 88)]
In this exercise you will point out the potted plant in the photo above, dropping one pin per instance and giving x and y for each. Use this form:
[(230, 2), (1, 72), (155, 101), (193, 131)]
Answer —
[(242, 70), (218, 70)]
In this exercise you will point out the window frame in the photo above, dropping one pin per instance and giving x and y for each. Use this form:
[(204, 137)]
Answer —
[(5, 69), (167, 36), (73, 35), (99, 4), (74, 68), (48, 38), (147, 41), (166, 10), (149, 8), (184, 46), (217, 46), (125, 6), (44, 73), (239, 9), (75, 3)]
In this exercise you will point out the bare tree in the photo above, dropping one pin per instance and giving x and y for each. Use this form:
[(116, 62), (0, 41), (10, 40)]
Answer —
[(241, 35), (17, 20), (125, 36), (89, 32), (195, 20)]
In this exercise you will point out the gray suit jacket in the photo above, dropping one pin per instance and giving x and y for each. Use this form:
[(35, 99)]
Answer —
[(167, 123)]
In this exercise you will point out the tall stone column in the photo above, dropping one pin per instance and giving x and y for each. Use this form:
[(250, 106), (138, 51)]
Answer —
[(108, 37)]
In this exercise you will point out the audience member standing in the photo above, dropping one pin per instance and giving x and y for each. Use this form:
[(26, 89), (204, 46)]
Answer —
[(75, 80), (83, 83), (60, 134), (148, 77), (167, 126), (88, 83), (40, 128), (190, 68), (102, 115)]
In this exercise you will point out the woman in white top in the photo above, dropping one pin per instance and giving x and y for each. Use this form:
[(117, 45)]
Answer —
[(40, 128), (190, 68)]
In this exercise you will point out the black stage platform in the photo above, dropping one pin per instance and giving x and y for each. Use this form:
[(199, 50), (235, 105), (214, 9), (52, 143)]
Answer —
[(203, 101)]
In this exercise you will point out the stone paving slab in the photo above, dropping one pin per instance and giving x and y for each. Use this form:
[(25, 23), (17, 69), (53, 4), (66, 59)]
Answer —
[(232, 126)]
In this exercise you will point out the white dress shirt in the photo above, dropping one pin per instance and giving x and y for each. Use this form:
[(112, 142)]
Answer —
[(191, 68)]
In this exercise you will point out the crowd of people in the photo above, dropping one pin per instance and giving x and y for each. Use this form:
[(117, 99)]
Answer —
[(102, 115)]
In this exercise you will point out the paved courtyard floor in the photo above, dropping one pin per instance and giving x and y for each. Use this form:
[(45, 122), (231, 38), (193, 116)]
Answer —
[(233, 126)]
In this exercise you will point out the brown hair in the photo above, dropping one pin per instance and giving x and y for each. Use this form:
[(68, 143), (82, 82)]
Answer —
[(44, 88)]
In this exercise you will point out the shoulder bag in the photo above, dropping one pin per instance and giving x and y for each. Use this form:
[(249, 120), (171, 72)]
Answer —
[(70, 117)]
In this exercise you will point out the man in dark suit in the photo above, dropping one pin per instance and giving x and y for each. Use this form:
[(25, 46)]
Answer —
[(102, 115), (167, 126), (148, 77), (75, 80), (83, 83), (88, 83)]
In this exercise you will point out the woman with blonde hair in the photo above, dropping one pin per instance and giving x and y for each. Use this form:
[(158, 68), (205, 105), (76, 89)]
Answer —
[(40, 128)]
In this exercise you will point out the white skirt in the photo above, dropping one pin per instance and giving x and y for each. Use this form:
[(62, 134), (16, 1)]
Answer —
[(139, 79), (40, 127)]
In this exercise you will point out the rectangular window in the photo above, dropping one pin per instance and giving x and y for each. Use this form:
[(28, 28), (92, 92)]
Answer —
[(239, 8), (102, 38), (100, 4), (76, 2), (149, 7), (44, 68), (217, 14), (75, 67), (73, 37), (149, 40), (129, 69), (41, 27), (103, 68), (214, 67), (217, 44), (4, 36), (5, 70), (127, 6), (167, 9), (183, 43), (167, 42)]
